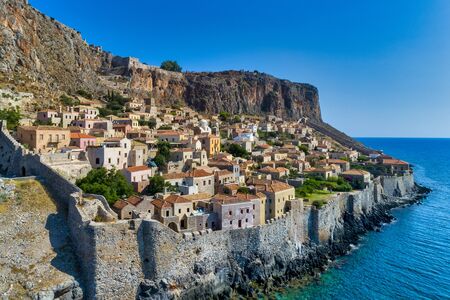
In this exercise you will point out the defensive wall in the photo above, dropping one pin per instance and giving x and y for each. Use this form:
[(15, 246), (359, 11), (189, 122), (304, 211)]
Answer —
[(117, 255)]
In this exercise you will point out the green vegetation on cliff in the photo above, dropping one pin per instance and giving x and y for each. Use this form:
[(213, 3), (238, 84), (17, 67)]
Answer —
[(171, 65), (12, 117)]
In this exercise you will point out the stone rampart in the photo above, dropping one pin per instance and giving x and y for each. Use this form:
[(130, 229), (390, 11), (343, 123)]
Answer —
[(116, 256)]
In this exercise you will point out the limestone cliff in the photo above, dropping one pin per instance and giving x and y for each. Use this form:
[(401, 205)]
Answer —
[(40, 55)]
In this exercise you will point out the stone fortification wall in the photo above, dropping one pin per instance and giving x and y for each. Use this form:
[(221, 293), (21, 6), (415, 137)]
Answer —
[(121, 258)]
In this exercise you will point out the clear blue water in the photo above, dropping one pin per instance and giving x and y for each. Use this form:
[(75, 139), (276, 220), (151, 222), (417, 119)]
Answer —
[(410, 258)]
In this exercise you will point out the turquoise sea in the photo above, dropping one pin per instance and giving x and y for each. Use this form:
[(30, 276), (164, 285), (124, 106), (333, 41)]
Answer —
[(409, 258)]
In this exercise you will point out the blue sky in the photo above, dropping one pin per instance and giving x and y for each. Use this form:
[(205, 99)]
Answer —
[(382, 66)]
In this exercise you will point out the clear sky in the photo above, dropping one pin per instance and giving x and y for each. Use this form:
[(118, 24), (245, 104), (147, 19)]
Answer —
[(382, 66)]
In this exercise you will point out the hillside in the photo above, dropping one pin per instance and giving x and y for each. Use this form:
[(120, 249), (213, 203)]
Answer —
[(42, 56)]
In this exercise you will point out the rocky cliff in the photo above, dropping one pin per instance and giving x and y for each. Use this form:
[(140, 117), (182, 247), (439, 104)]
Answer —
[(41, 55)]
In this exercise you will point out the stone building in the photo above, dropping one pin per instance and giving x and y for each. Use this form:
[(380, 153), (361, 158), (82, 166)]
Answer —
[(43, 139), (113, 153), (277, 193)]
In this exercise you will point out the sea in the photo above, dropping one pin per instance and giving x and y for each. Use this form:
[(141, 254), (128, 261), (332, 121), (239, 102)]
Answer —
[(410, 257)]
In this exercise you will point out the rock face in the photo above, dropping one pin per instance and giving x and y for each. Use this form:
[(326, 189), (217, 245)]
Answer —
[(40, 55), (252, 93), (47, 57)]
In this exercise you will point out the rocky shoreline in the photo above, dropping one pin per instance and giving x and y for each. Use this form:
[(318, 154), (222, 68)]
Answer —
[(263, 275)]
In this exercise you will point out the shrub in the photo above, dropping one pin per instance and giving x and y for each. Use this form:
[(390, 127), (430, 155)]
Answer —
[(109, 183), (68, 101), (237, 151), (84, 94), (171, 65), (319, 203), (12, 117)]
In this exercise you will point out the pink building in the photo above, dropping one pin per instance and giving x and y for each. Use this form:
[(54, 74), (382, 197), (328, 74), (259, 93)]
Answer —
[(82, 140)]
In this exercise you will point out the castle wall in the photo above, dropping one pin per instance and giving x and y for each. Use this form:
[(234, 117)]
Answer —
[(116, 256)]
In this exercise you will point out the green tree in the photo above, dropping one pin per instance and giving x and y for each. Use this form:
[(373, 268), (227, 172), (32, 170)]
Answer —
[(12, 117), (304, 148), (243, 190), (156, 185), (68, 101), (163, 154), (115, 104), (171, 65), (224, 116), (109, 183), (237, 151)]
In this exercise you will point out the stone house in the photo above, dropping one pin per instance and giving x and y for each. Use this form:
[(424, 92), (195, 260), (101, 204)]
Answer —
[(277, 193), (43, 139), (82, 140), (210, 143), (343, 165), (85, 112), (325, 172), (276, 173), (202, 179), (113, 153), (50, 117), (178, 213), (125, 207), (233, 212), (396, 166), (138, 176), (357, 177)]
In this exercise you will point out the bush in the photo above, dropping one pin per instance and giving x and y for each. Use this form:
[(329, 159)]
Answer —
[(12, 117), (237, 151), (319, 203), (68, 101), (243, 190), (304, 148), (224, 116), (84, 94), (109, 183), (165, 127), (115, 104), (171, 65)]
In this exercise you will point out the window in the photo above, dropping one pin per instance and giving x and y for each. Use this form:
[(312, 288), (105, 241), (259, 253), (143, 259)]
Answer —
[(253, 206), (230, 213), (242, 211), (179, 211), (97, 161), (204, 182), (246, 220), (126, 154), (188, 210), (231, 222), (209, 181), (167, 213), (248, 210), (109, 160)]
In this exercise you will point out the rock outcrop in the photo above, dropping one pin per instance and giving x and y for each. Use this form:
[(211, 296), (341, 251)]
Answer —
[(43, 56), (46, 57)]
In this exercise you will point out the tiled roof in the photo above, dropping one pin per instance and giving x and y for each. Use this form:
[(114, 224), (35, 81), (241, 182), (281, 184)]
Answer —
[(76, 135), (176, 199), (160, 203), (138, 168), (134, 200), (394, 162), (355, 172), (198, 173), (174, 176)]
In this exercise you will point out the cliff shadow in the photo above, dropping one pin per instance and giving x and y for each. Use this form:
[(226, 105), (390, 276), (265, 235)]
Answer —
[(59, 235)]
